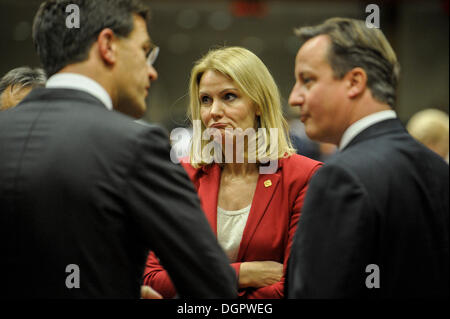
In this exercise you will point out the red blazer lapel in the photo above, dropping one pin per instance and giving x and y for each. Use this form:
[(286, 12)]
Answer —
[(208, 191), (265, 188)]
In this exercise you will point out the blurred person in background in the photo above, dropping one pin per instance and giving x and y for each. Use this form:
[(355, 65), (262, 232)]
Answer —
[(17, 83), (430, 127)]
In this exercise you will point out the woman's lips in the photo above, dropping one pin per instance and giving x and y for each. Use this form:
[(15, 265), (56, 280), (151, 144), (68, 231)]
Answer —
[(218, 125)]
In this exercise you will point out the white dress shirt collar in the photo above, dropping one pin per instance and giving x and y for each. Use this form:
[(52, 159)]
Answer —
[(81, 83), (360, 125)]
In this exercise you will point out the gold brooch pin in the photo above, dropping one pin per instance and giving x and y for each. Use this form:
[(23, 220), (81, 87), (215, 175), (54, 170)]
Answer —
[(268, 183)]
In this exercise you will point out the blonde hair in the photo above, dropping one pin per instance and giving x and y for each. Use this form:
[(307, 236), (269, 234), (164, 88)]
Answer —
[(431, 128), (255, 81)]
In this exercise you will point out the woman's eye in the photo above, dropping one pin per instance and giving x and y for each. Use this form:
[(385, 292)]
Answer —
[(204, 99), (230, 96)]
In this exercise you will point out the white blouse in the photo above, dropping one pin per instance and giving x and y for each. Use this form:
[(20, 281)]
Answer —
[(230, 226)]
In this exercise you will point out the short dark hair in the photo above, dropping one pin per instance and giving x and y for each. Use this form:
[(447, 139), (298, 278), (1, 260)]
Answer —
[(23, 76), (353, 44), (57, 45)]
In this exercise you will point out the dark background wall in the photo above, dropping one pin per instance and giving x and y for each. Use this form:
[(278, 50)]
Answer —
[(185, 30)]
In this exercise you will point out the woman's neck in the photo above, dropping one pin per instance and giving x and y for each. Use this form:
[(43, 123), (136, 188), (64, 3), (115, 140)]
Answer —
[(240, 168)]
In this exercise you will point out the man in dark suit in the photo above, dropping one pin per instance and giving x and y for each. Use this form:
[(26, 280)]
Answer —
[(86, 191), (375, 219)]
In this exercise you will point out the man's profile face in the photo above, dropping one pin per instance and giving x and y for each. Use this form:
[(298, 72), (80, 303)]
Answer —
[(11, 96), (320, 96), (134, 75)]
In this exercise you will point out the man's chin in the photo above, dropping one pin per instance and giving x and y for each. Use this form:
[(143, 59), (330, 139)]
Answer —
[(320, 138), (139, 112), (135, 111), (313, 134)]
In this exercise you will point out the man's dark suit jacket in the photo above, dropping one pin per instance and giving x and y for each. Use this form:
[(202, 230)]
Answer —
[(80, 185), (383, 200)]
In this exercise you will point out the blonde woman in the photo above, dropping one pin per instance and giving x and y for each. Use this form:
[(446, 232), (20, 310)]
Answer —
[(250, 181)]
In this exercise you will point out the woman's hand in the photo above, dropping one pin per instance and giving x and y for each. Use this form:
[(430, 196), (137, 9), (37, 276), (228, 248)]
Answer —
[(259, 274), (148, 292)]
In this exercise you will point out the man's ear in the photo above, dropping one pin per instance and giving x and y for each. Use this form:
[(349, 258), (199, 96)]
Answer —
[(107, 46), (357, 81)]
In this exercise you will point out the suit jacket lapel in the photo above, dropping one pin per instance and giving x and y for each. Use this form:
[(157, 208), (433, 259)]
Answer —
[(208, 191), (265, 188)]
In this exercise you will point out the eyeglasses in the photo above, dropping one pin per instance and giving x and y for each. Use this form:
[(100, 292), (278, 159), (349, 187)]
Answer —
[(153, 55)]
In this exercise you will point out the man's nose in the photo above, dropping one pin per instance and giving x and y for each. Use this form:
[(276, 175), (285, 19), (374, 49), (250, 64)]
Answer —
[(296, 98), (152, 73), (216, 109)]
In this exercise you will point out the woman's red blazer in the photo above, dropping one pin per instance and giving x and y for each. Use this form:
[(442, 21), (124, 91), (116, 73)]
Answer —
[(271, 223)]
